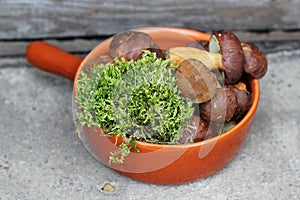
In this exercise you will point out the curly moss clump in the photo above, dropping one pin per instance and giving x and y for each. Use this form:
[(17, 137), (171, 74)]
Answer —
[(134, 100)]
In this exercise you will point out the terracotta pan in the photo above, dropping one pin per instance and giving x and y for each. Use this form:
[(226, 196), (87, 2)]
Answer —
[(159, 164)]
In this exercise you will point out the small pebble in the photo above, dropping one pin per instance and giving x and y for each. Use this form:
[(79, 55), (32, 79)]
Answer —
[(108, 187)]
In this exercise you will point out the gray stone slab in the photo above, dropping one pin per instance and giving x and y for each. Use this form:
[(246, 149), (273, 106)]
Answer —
[(42, 158)]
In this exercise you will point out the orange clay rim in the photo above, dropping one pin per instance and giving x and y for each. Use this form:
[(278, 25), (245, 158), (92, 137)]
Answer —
[(254, 86)]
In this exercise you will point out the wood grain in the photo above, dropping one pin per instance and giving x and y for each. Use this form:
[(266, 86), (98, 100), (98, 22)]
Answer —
[(16, 49), (73, 18)]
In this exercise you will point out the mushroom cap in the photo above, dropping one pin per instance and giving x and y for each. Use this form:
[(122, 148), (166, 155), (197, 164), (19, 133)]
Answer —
[(197, 129), (228, 44), (221, 107), (256, 63), (97, 60), (129, 45), (243, 103), (195, 81)]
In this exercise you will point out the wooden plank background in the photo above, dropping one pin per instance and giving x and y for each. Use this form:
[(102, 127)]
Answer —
[(65, 18), (90, 21)]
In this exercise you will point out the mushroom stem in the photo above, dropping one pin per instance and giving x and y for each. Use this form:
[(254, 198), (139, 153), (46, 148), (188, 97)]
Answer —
[(212, 61), (217, 58)]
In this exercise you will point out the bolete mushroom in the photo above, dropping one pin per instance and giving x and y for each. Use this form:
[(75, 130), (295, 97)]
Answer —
[(229, 46), (225, 55), (199, 130), (221, 107), (195, 81), (130, 44), (97, 60), (243, 98), (256, 63)]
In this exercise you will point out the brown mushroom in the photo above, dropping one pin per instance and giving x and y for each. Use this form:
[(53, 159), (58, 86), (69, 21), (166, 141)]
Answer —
[(211, 60), (221, 107), (229, 46), (225, 55), (195, 81), (130, 44), (243, 98), (159, 52), (97, 60), (256, 63), (198, 130)]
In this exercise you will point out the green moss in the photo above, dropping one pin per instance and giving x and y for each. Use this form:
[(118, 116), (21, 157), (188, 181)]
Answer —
[(134, 100)]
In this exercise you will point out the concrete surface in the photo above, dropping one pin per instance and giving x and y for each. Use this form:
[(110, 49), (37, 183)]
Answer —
[(42, 158)]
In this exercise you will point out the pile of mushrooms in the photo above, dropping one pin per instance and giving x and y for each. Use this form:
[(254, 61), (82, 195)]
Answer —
[(213, 74)]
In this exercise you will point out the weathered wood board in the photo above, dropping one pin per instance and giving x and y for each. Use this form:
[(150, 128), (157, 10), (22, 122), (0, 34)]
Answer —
[(271, 42), (32, 19)]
